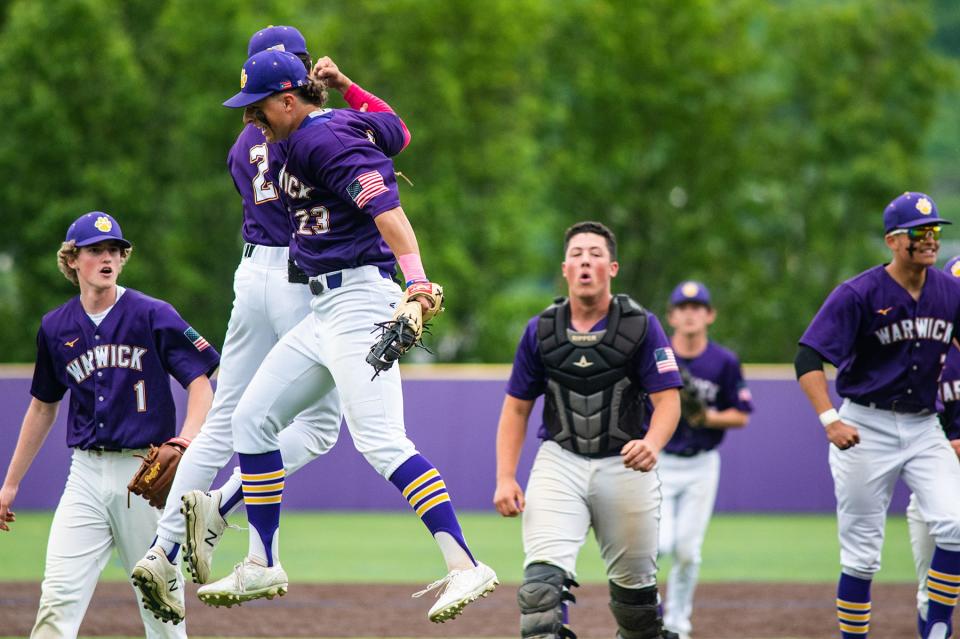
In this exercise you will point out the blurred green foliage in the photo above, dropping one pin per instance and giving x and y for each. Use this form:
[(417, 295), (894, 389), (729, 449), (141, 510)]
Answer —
[(749, 144)]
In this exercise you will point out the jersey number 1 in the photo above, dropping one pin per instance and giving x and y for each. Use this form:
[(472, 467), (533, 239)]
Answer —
[(263, 189), (140, 390)]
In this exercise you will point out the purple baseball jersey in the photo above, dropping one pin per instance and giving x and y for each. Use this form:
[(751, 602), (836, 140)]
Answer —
[(337, 178), (950, 393), (888, 348), (254, 166), (528, 379), (118, 373), (718, 378)]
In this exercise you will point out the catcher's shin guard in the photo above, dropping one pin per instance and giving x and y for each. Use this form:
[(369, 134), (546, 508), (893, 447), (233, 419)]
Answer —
[(635, 611), (542, 598)]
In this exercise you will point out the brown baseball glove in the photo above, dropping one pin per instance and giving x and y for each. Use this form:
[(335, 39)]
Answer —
[(692, 408), (153, 479), (404, 331)]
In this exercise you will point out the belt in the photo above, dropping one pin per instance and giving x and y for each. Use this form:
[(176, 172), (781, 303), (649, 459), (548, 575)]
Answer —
[(295, 274), (686, 452), (896, 406), (102, 449), (335, 280)]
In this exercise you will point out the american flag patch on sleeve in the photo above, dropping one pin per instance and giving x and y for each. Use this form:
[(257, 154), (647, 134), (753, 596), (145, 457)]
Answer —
[(366, 187), (198, 341), (666, 362)]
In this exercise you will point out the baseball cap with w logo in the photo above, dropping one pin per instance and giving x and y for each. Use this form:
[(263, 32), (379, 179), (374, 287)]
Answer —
[(266, 73)]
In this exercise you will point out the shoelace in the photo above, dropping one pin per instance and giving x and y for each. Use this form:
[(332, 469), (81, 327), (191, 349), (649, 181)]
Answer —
[(238, 575), (445, 581)]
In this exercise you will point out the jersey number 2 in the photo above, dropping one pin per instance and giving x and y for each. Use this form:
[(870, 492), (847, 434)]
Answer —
[(140, 390), (263, 189)]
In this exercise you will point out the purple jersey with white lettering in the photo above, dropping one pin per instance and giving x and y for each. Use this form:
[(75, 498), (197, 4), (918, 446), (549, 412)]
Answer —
[(718, 379), (254, 166), (950, 393), (337, 178), (118, 373), (528, 379), (888, 348)]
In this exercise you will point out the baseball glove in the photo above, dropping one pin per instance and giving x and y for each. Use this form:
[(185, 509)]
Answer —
[(153, 479), (406, 328), (692, 408)]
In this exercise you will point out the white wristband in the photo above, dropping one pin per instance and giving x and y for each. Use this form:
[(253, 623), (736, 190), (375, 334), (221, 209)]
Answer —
[(829, 416)]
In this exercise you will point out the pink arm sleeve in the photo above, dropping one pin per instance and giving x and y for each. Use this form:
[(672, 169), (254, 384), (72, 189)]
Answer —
[(356, 96)]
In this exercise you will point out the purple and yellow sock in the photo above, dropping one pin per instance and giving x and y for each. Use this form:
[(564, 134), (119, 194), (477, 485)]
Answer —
[(424, 489), (263, 478), (943, 588), (853, 606)]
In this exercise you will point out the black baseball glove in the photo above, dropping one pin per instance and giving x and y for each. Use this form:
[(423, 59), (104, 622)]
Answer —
[(692, 408)]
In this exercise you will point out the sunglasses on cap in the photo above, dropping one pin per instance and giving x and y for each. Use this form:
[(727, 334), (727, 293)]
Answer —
[(918, 233)]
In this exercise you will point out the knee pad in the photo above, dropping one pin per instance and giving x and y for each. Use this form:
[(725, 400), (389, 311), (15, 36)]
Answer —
[(542, 598), (635, 611)]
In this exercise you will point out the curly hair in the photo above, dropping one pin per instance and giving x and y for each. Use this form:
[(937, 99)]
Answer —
[(69, 250), (314, 92)]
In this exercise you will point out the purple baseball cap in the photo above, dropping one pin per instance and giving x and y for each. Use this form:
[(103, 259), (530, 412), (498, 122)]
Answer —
[(690, 292), (96, 226), (287, 39), (266, 73), (909, 210), (952, 267)]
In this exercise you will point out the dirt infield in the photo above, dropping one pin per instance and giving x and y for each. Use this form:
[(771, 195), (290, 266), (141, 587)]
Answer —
[(723, 611)]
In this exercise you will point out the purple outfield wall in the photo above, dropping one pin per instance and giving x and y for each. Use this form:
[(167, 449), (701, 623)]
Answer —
[(777, 464)]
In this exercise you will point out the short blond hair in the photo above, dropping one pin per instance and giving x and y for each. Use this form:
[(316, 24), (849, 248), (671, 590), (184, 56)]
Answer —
[(70, 250)]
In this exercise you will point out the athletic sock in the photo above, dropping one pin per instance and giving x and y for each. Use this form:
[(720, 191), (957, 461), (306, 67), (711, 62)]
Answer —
[(263, 477), (943, 587), (231, 495), (853, 606), (423, 487), (170, 548)]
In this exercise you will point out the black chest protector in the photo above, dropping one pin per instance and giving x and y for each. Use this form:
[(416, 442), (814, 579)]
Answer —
[(592, 405)]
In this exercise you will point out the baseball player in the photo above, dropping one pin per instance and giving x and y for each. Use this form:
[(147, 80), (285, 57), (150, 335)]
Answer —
[(689, 467), (888, 331), (609, 380), (115, 350), (351, 231), (921, 541), (271, 296)]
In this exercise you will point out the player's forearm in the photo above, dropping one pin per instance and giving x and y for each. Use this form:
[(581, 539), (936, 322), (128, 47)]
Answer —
[(665, 417), (199, 401), (37, 423), (729, 418), (511, 432), (814, 386), (397, 232)]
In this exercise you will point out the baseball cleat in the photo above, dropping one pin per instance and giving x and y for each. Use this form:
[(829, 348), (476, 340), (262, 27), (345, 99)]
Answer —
[(459, 588), (248, 581), (161, 586), (205, 528)]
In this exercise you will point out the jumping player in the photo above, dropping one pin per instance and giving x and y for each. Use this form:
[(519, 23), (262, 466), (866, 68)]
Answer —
[(609, 380), (689, 468), (271, 296), (922, 542), (887, 331), (114, 349), (351, 231)]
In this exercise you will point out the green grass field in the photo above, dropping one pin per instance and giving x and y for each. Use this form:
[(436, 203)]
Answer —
[(395, 548)]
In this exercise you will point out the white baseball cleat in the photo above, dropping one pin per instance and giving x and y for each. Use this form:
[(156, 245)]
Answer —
[(205, 527), (248, 581), (459, 588), (161, 586)]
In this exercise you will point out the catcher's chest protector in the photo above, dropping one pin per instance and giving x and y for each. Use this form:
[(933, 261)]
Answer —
[(591, 405)]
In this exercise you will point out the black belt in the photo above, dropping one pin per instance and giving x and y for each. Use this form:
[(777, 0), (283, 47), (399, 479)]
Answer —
[(686, 452), (335, 280), (896, 405), (102, 449), (295, 274)]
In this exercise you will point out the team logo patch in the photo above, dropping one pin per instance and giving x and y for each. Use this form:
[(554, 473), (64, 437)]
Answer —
[(955, 270), (103, 224), (924, 206), (690, 289), (666, 361), (243, 78), (277, 47), (196, 339)]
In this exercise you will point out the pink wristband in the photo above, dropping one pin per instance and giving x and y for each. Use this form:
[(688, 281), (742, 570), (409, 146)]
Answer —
[(412, 268)]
